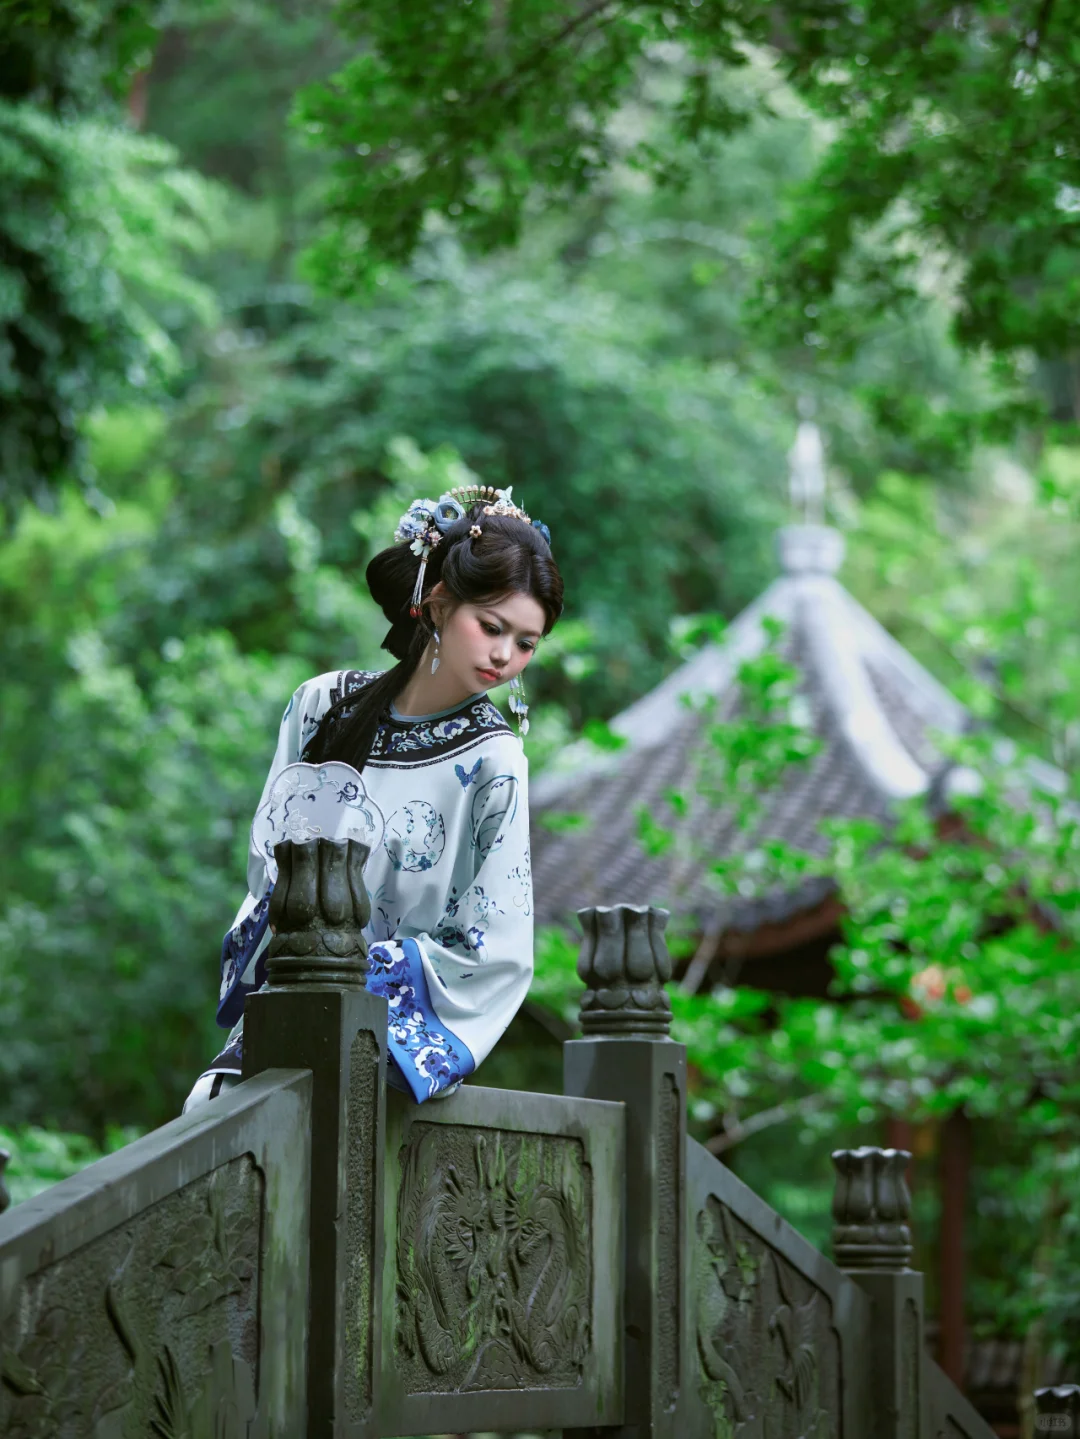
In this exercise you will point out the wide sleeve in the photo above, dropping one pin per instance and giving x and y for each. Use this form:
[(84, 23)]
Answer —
[(454, 987), (243, 967)]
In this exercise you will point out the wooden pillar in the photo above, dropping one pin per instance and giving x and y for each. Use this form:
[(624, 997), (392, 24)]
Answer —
[(900, 1134), (954, 1168)]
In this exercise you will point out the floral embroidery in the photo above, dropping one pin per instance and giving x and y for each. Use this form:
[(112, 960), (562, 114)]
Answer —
[(239, 945), (429, 1056), (415, 836), (436, 737), (470, 939), (522, 876)]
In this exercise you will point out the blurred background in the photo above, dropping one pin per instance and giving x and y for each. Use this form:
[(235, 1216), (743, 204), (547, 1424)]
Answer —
[(269, 271)]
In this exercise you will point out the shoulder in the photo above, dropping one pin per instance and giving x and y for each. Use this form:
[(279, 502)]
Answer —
[(319, 692), (312, 699), (503, 750), (334, 684)]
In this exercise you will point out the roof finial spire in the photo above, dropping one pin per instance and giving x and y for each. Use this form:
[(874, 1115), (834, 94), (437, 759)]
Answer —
[(806, 479), (809, 546)]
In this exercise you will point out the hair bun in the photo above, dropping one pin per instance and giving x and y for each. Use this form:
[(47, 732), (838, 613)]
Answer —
[(390, 577)]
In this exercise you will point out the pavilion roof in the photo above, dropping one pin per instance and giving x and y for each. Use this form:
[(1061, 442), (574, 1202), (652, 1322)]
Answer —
[(874, 708)]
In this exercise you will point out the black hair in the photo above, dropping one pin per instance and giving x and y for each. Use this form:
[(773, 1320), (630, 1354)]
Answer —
[(510, 556)]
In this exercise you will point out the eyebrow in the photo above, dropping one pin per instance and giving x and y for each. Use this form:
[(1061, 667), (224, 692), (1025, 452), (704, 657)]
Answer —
[(491, 610)]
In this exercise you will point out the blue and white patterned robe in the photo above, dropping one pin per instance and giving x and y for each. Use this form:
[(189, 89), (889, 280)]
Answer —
[(451, 932)]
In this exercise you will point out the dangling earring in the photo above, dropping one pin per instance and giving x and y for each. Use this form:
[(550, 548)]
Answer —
[(435, 660), (518, 706)]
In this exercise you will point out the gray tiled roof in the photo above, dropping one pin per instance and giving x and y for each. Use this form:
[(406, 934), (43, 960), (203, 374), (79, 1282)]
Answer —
[(874, 709)]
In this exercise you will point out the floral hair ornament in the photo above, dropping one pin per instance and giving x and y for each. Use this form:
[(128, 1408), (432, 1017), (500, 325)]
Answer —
[(423, 524), (426, 521)]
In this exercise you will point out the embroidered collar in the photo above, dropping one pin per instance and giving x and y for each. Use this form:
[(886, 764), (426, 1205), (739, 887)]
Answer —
[(403, 742)]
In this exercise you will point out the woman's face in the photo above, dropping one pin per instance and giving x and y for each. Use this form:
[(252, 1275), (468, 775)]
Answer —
[(485, 645)]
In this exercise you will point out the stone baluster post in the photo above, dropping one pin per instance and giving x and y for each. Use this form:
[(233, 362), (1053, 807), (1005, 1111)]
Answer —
[(1057, 1411), (627, 1055), (315, 1014), (5, 1197), (872, 1243)]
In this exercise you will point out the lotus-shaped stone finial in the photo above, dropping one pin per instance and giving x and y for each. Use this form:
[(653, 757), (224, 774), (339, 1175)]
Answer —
[(318, 909), (1057, 1410), (625, 964), (871, 1208)]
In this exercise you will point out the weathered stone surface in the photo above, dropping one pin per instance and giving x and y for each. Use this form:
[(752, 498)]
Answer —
[(361, 1231), (1057, 1411), (318, 908), (163, 1290), (669, 1249), (628, 1058), (494, 1253), (152, 1324), (911, 1346), (768, 1350), (948, 1414), (871, 1207), (501, 1274), (624, 964), (340, 1035), (315, 1013)]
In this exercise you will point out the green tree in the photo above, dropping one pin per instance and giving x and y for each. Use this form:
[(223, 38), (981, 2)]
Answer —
[(95, 226), (951, 143)]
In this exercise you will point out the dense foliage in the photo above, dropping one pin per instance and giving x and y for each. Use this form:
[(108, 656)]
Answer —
[(762, 211), (953, 121), (96, 225)]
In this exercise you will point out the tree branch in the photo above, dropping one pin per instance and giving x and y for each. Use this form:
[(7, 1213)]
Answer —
[(764, 1119)]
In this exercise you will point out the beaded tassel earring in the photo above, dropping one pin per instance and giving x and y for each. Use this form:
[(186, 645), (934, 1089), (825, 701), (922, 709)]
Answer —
[(518, 707), (435, 658)]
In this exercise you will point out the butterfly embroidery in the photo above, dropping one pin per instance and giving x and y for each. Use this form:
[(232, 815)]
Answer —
[(467, 779)]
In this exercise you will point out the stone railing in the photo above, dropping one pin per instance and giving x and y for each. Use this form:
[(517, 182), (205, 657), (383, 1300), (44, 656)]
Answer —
[(314, 1255)]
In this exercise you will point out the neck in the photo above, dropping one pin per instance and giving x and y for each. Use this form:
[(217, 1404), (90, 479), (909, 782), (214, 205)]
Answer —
[(426, 693)]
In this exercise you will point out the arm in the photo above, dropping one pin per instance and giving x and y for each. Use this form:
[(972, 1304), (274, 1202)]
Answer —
[(454, 988)]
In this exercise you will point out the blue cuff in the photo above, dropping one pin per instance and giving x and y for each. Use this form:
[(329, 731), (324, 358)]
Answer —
[(431, 1058)]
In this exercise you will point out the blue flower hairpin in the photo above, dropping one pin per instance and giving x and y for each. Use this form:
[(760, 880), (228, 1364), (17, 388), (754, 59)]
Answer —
[(426, 521)]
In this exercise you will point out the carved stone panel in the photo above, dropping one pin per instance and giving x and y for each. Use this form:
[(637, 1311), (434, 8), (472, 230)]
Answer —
[(494, 1268), (150, 1329), (767, 1348)]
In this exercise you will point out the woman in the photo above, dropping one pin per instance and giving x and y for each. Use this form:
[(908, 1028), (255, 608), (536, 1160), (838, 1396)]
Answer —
[(470, 589)]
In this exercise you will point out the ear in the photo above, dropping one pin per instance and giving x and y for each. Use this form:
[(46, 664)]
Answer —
[(437, 602)]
